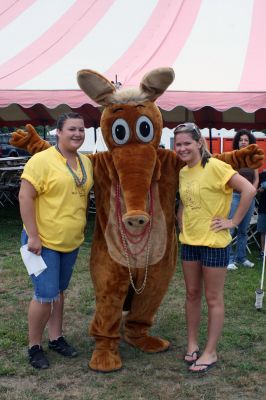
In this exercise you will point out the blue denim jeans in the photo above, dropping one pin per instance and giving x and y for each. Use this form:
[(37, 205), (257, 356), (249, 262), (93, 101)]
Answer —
[(56, 277), (239, 255)]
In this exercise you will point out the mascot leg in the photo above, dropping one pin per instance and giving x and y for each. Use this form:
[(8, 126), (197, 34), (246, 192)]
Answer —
[(111, 285), (144, 306)]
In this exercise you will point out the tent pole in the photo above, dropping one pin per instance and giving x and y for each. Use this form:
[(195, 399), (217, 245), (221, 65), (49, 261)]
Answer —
[(222, 143), (95, 134), (210, 137)]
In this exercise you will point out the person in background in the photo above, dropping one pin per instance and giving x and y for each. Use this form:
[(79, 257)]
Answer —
[(261, 223), (242, 139), (53, 201), (205, 187)]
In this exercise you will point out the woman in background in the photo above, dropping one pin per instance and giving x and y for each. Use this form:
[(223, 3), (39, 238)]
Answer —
[(242, 139), (261, 223)]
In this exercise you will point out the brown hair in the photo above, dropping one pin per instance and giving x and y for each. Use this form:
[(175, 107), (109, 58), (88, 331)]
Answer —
[(242, 132), (63, 117)]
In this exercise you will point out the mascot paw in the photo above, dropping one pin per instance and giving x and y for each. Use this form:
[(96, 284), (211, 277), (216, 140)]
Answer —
[(105, 361), (256, 157), (29, 140), (149, 344), (19, 139)]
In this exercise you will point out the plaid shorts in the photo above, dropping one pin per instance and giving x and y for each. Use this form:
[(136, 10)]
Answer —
[(208, 256)]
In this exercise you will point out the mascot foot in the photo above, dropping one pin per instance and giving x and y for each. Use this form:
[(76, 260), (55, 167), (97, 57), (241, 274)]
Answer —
[(105, 361), (149, 344)]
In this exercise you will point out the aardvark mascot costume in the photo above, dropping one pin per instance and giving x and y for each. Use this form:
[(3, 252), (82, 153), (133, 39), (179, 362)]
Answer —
[(134, 246)]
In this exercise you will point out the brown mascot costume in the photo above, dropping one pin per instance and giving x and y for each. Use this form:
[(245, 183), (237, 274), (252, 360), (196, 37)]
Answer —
[(134, 245)]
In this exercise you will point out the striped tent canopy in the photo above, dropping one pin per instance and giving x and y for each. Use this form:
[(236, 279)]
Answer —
[(217, 49)]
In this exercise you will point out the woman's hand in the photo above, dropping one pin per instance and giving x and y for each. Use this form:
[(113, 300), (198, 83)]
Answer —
[(218, 224), (35, 245)]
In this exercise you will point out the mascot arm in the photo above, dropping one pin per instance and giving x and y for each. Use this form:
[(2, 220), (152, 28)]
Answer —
[(170, 160), (29, 140), (249, 157)]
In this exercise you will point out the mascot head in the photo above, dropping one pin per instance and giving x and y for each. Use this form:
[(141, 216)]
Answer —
[(131, 125), (130, 115)]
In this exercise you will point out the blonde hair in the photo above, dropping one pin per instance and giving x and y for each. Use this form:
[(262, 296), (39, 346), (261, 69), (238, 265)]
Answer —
[(193, 129)]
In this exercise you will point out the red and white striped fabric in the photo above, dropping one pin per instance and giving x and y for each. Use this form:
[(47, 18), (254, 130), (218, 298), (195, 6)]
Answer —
[(215, 47)]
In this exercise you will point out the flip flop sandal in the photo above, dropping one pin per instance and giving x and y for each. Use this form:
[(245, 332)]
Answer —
[(190, 362), (206, 368)]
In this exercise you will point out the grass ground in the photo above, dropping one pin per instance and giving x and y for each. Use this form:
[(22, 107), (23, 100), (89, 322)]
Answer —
[(240, 374)]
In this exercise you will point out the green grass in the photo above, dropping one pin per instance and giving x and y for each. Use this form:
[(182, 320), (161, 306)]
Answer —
[(240, 373)]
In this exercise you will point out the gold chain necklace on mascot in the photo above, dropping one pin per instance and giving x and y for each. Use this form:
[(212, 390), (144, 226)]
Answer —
[(126, 236), (79, 182)]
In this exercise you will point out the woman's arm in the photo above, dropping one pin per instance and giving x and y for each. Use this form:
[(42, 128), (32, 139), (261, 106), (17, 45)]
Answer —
[(27, 195), (247, 193)]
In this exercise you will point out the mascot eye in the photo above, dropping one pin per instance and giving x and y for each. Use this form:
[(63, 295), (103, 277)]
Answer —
[(144, 129), (120, 131)]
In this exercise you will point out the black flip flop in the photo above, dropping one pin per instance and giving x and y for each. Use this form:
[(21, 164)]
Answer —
[(203, 370), (190, 362)]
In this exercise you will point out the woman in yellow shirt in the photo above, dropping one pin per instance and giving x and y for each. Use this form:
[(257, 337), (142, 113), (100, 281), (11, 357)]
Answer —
[(53, 202), (205, 186)]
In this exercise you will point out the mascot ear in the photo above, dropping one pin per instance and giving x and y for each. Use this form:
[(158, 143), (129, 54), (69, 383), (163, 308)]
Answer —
[(155, 82), (96, 86)]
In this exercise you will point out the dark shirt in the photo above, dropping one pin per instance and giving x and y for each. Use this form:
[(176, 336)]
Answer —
[(248, 173), (262, 195)]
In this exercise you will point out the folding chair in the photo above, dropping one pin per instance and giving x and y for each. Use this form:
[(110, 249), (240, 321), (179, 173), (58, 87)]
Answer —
[(92, 206), (252, 231), (9, 185)]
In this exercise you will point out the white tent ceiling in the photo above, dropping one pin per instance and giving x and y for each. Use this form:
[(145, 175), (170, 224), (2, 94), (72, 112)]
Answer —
[(215, 47)]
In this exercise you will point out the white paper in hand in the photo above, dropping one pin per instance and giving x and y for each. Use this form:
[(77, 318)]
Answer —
[(34, 264)]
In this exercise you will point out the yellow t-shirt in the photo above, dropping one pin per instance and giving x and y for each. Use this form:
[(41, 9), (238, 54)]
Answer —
[(60, 205), (205, 194)]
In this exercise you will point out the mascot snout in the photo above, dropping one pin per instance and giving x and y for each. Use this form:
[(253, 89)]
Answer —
[(135, 165), (136, 219)]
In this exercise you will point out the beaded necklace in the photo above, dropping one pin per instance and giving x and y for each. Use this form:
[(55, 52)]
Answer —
[(126, 236), (79, 182)]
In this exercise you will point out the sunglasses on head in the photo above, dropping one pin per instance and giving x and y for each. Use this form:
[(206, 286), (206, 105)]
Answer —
[(187, 127)]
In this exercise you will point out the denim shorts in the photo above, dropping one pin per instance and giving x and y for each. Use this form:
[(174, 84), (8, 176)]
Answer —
[(56, 277), (208, 256)]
